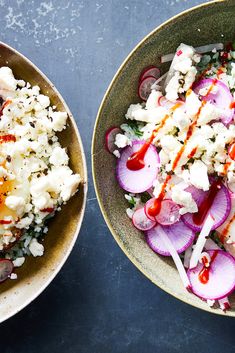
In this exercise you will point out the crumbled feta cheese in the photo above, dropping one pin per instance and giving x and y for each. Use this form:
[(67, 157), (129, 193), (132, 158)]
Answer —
[(19, 261), (199, 176), (122, 141), (7, 80), (16, 203), (59, 156), (184, 199), (36, 248)]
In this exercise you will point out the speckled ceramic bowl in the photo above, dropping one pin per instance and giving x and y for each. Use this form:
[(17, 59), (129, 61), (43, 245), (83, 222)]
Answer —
[(209, 23), (35, 275)]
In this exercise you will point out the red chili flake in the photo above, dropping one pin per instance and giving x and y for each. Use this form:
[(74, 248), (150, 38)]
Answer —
[(47, 209), (3, 221)]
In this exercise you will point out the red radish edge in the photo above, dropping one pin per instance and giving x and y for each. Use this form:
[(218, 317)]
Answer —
[(210, 297), (6, 268), (149, 71), (141, 221), (143, 93), (108, 135)]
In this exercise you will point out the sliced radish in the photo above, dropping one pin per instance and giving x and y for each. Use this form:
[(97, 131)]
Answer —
[(141, 221), (179, 234), (169, 213), (110, 138), (6, 268), (150, 71), (169, 245), (219, 210), (139, 180), (221, 99), (147, 206), (201, 240), (221, 280), (145, 87), (224, 304)]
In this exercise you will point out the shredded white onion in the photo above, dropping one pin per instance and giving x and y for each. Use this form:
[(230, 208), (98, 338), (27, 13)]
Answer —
[(200, 50), (156, 83), (167, 58), (176, 258), (224, 304), (187, 256), (207, 226)]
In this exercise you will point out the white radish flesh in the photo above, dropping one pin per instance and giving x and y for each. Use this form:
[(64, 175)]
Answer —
[(209, 222), (176, 258)]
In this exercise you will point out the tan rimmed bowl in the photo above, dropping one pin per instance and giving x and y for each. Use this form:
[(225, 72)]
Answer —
[(36, 273), (208, 23)]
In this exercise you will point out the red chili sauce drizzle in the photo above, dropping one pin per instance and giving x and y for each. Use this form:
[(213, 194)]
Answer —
[(204, 274), (136, 161), (232, 151), (223, 235), (192, 153), (206, 204)]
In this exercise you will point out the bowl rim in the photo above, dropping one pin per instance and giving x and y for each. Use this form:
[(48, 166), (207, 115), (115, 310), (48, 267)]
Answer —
[(98, 117), (84, 182)]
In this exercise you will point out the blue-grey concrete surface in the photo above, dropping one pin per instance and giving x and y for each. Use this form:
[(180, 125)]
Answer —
[(99, 302)]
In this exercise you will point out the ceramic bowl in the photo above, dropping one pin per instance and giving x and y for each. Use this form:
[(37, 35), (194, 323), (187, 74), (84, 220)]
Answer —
[(36, 273), (208, 23)]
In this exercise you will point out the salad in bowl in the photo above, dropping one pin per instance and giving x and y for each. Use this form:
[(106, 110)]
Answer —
[(176, 162)]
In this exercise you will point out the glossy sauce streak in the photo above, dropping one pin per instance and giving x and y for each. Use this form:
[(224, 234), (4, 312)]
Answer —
[(192, 153), (231, 151), (156, 206), (206, 204), (204, 274), (223, 235), (136, 161)]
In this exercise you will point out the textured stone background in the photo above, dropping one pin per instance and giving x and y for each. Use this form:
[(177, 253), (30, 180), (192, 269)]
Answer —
[(99, 302)]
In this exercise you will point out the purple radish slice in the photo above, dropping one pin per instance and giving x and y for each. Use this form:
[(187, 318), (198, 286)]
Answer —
[(169, 213), (144, 88), (137, 181), (150, 71), (219, 210), (179, 234), (222, 98), (221, 281), (168, 244), (110, 138), (141, 221), (149, 204), (6, 268)]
